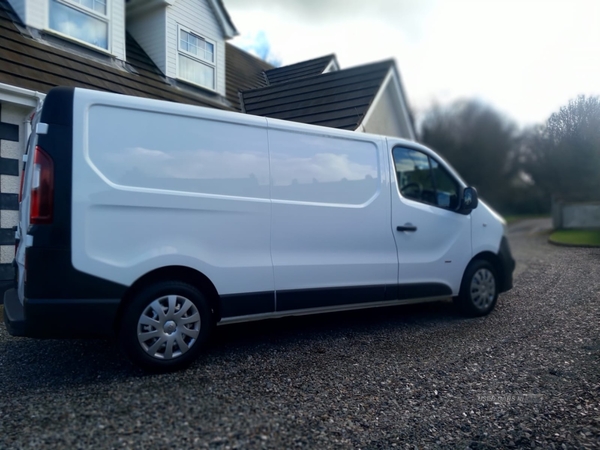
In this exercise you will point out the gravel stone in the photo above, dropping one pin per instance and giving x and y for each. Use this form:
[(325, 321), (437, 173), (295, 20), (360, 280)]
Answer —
[(526, 376)]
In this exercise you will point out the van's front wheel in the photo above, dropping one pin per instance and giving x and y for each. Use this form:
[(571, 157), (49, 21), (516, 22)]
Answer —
[(479, 289), (164, 327)]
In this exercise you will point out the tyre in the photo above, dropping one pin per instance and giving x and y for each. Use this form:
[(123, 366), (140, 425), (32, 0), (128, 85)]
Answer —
[(478, 290), (165, 326)]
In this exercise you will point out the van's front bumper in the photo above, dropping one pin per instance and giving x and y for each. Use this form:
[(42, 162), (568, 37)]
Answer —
[(55, 318), (508, 266)]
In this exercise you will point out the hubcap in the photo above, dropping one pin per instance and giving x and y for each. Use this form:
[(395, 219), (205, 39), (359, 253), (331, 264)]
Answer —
[(168, 327), (483, 288)]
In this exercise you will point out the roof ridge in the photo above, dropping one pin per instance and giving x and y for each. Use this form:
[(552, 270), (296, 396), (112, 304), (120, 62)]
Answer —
[(391, 62), (330, 56)]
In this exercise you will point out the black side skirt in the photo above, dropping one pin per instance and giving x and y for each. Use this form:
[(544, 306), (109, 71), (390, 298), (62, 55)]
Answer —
[(264, 302)]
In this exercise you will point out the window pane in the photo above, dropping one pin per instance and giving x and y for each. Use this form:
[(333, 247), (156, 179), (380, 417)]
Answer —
[(196, 46), (100, 6), (196, 72), (78, 24), (447, 187), (414, 175), (209, 52), (97, 5)]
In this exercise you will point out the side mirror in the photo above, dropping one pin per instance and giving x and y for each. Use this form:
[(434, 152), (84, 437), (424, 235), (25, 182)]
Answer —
[(469, 201)]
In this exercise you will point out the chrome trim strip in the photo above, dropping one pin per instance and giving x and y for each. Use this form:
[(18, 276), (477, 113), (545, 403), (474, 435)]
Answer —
[(327, 309)]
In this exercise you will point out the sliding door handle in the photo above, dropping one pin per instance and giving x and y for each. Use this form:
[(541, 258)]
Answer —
[(406, 227)]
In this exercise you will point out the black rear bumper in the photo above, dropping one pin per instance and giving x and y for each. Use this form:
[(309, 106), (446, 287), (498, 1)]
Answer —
[(14, 313), (59, 318)]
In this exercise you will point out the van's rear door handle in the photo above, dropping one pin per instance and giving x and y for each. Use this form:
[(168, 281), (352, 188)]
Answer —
[(406, 227)]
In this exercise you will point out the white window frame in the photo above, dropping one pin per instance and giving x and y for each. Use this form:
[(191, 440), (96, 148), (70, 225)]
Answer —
[(187, 54), (90, 12)]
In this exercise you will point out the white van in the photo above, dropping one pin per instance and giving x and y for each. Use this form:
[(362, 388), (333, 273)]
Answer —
[(155, 221)]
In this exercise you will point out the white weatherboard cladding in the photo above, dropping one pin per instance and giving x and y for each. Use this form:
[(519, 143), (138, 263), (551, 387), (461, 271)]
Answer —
[(124, 229), (199, 18), (149, 30), (36, 13), (117, 28), (388, 114), (320, 241), (386, 118)]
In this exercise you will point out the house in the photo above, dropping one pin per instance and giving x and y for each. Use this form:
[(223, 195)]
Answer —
[(174, 50)]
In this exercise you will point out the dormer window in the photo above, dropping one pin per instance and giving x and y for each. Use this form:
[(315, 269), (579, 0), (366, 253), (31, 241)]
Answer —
[(196, 59), (83, 20)]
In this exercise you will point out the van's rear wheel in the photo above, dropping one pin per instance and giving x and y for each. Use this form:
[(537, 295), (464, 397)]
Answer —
[(164, 327), (479, 289)]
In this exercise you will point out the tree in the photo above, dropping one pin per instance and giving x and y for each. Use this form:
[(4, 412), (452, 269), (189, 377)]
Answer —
[(563, 156), (478, 141)]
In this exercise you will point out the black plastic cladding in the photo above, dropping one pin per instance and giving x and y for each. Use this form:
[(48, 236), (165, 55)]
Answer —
[(508, 265), (50, 272)]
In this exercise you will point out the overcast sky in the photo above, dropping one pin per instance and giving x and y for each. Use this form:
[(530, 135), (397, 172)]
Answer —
[(526, 57)]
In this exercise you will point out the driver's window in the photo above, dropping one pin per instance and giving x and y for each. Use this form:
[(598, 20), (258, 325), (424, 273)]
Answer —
[(421, 178), (414, 175)]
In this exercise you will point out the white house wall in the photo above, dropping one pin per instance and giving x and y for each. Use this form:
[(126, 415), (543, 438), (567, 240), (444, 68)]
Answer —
[(388, 115), (117, 24), (198, 16), (385, 118), (149, 31), (36, 13)]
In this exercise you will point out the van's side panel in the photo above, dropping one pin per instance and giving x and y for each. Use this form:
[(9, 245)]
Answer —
[(158, 184), (331, 216)]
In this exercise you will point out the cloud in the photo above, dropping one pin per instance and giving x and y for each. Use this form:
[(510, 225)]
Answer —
[(527, 58), (313, 11), (258, 45)]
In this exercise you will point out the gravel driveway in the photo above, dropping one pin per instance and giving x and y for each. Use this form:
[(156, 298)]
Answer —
[(526, 376)]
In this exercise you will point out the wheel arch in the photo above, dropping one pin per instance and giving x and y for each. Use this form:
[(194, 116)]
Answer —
[(496, 262), (168, 273)]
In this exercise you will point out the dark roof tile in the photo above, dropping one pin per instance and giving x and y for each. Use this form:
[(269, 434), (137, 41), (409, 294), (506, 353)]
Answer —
[(243, 71), (29, 64), (299, 70), (337, 99)]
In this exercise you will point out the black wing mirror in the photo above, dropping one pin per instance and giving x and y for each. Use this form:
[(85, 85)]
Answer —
[(469, 201)]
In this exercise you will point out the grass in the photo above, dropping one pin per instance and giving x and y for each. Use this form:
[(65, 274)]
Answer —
[(586, 238)]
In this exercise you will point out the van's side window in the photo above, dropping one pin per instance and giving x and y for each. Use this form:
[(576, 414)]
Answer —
[(421, 178)]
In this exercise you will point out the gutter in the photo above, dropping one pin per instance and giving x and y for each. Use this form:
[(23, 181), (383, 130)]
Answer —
[(20, 96)]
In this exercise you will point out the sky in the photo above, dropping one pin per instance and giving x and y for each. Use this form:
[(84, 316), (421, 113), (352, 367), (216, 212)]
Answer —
[(525, 57)]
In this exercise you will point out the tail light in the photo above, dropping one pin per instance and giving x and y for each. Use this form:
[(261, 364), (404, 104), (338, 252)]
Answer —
[(42, 188)]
